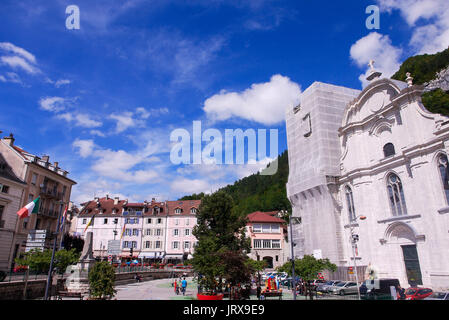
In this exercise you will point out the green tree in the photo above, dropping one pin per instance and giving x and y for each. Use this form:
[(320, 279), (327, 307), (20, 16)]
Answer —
[(36, 260), (65, 258), (436, 101), (308, 267), (222, 243), (39, 261), (72, 242), (257, 267), (101, 280)]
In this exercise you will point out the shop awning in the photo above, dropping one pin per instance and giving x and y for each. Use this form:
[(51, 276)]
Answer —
[(147, 254), (173, 256)]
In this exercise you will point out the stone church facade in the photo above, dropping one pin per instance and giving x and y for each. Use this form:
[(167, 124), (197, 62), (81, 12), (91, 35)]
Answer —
[(379, 154)]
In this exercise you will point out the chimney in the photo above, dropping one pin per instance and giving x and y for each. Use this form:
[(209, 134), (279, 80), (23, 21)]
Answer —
[(56, 164), (116, 199), (9, 140), (46, 158), (107, 197)]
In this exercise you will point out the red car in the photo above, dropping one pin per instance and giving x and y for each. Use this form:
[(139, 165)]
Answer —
[(417, 293)]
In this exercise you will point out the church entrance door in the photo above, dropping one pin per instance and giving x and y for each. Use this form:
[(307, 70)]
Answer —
[(411, 262)]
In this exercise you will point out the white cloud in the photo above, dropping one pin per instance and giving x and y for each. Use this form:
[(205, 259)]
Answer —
[(18, 62), (80, 120), (11, 77), (61, 82), (433, 15), (119, 164), (53, 104), (379, 48), (192, 186), (97, 133), (58, 83), (11, 48), (142, 112), (124, 121), (86, 147), (263, 102)]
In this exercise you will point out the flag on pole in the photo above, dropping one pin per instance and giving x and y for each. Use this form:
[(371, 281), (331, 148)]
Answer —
[(32, 207), (123, 231), (90, 222), (64, 215)]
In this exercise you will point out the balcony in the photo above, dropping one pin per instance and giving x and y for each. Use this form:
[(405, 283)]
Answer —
[(51, 193), (48, 213)]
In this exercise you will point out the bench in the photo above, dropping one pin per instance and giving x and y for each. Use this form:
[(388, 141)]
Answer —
[(269, 294), (68, 294)]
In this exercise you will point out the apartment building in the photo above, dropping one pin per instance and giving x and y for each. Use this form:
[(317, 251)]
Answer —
[(42, 179), (181, 219), (11, 193), (268, 234)]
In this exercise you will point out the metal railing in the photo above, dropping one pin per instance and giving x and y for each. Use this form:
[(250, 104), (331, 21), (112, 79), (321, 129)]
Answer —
[(21, 276), (126, 269)]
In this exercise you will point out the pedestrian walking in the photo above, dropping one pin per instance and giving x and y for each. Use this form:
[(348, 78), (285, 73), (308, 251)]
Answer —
[(258, 291), (176, 287), (184, 286), (401, 293)]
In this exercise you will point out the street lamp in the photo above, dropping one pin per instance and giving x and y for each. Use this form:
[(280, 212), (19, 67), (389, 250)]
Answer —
[(293, 220), (354, 238)]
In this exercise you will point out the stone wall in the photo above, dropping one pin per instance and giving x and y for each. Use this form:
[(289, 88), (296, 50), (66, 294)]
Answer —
[(14, 290), (36, 288)]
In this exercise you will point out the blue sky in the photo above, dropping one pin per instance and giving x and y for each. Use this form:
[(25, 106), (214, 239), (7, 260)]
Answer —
[(103, 100)]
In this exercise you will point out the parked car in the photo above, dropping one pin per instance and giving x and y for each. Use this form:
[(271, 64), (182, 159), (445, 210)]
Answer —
[(414, 293), (266, 275), (378, 289), (282, 276), (345, 287), (288, 281), (324, 287), (315, 283), (438, 296)]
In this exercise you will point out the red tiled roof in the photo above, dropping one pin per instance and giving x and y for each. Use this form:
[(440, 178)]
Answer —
[(105, 204), (185, 206), (21, 151), (259, 216)]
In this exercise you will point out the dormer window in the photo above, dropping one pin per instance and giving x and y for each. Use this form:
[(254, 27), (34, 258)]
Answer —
[(193, 210), (178, 210)]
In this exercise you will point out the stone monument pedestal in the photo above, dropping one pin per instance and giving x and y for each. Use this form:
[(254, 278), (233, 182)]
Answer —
[(78, 275)]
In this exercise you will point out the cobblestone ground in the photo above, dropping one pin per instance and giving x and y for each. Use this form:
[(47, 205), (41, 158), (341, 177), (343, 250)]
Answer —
[(163, 290)]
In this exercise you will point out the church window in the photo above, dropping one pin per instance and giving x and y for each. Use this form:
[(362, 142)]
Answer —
[(396, 195), (389, 150), (350, 203), (444, 173)]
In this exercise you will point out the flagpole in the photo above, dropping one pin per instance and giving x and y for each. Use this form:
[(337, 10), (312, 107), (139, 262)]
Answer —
[(63, 227), (49, 278)]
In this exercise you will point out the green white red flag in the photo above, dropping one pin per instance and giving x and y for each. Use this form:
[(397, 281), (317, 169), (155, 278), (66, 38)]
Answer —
[(30, 208)]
